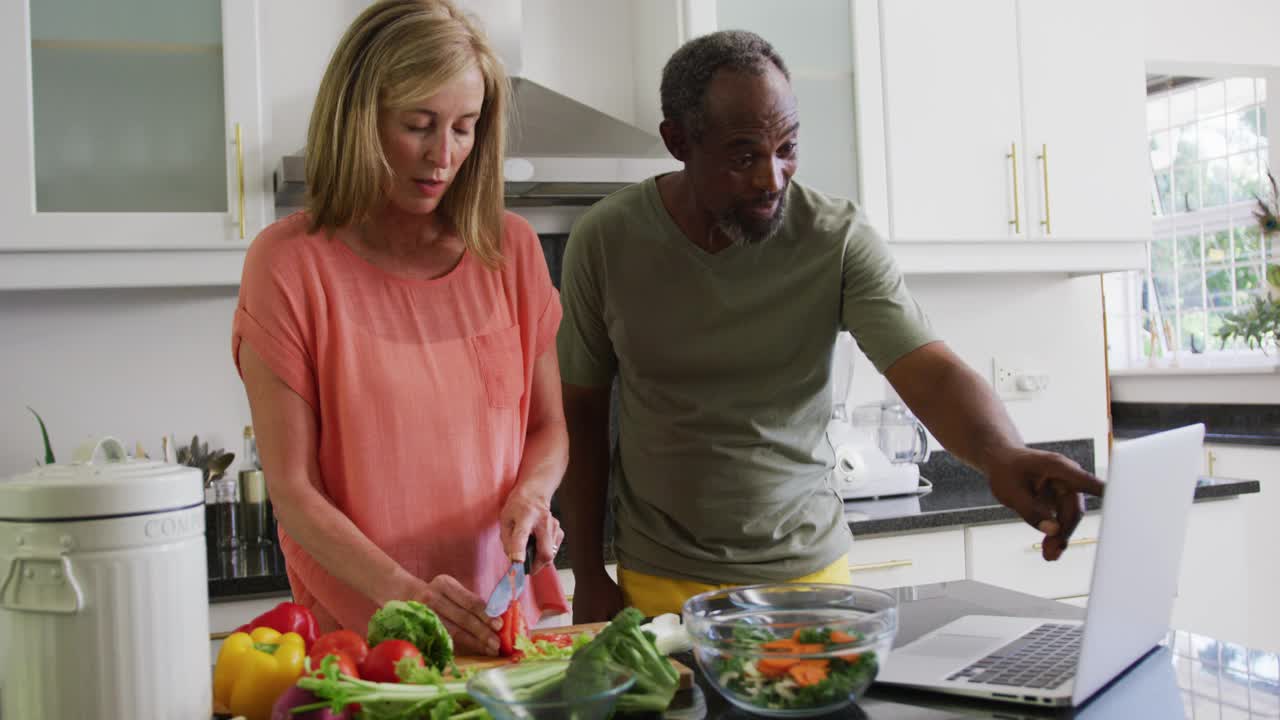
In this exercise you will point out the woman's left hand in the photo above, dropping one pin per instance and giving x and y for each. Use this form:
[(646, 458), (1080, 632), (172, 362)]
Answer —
[(528, 513)]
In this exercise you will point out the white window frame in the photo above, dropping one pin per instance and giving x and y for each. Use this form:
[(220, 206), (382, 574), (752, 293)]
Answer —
[(1125, 316)]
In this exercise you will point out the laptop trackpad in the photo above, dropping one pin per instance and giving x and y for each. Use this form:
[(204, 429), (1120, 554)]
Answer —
[(955, 646)]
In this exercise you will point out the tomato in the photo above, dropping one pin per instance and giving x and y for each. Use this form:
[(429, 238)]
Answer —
[(346, 665), (563, 640), (341, 642), (380, 666), (512, 627)]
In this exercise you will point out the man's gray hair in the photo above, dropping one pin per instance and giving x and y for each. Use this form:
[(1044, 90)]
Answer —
[(688, 72)]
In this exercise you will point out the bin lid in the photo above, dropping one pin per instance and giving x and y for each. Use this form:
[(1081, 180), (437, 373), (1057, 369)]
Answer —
[(101, 482)]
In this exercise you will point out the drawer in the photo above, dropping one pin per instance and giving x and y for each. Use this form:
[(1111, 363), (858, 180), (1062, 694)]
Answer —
[(914, 559), (1008, 555)]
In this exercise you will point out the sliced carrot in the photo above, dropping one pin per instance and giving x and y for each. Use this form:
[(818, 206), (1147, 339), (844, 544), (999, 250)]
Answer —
[(842, 637), (780, 645), (808, 648), (850, 658), (772, 667), (808, 672)]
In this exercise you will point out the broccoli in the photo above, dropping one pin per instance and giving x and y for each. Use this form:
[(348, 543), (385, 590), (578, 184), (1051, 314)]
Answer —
[(811, 636), (623, 646), (412, 621)]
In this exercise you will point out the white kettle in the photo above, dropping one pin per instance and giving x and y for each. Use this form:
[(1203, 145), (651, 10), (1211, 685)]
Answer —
[(104, 606)]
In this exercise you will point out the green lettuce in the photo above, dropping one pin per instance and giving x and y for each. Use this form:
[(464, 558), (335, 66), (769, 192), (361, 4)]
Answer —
[(414, 622)]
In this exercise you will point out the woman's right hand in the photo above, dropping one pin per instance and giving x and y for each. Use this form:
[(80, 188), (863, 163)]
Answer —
[(462, 611)]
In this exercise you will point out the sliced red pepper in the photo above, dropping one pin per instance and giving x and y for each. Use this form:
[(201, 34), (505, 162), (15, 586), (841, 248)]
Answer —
[(513, 626), (286, 617), (563, 640)]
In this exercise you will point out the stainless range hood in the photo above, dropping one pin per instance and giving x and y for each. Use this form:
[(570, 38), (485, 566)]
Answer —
[(560, 152)]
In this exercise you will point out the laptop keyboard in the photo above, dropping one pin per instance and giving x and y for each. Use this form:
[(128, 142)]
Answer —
[(1042, 658)]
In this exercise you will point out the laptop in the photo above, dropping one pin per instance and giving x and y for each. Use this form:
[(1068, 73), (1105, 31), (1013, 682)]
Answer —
[(1149, 489)]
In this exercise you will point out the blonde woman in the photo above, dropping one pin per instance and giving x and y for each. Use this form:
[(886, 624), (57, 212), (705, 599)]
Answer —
[(396, 340)]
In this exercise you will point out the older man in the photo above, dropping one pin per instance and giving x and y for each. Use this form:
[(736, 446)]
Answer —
[(715, 295)]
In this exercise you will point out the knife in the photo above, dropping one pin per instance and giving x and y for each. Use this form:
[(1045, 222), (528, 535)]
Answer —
[(511, 584)]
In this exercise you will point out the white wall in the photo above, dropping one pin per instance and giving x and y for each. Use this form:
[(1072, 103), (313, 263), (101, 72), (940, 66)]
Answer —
[(1239, 32), (1038, 323), (136, 364)]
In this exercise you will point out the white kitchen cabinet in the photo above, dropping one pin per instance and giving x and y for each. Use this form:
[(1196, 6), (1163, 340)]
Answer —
[(1262, 533), (977, 94), (1084, 99), (913, 559), (1216, 581), (1008, 555), (134, 142), (952, 118)]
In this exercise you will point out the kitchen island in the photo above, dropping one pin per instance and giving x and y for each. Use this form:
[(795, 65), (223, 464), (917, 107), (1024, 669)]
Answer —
[(1189, 676)]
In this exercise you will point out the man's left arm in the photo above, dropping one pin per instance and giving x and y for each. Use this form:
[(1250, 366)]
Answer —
[(964, 414)]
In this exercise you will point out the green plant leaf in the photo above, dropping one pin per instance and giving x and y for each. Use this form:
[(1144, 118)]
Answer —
[(44, 434)]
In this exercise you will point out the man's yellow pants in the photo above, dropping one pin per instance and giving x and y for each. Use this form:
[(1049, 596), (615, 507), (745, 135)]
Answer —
[(655, 595)]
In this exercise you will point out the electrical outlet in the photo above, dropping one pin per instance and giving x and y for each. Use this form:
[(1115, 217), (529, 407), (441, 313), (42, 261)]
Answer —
[(1004, 379), (1012, 383)]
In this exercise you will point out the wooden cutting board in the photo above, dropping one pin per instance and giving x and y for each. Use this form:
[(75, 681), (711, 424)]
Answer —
[(482, 662)]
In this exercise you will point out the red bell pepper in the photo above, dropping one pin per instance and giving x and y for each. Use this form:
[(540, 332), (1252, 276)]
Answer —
[(286, 617), (513, 626)]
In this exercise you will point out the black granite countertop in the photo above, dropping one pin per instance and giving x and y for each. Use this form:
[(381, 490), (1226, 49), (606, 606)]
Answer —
[(1228, 424), (961, 496), (958, 501)]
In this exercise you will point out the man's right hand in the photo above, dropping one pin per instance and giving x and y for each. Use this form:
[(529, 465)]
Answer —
[(596, 598)]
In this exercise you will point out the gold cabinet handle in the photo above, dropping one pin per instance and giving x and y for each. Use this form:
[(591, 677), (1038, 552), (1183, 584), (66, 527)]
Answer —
[(1070, 543), (240, 175), (1213, 458), (1043, 157), (881, 565), (1016, 222)]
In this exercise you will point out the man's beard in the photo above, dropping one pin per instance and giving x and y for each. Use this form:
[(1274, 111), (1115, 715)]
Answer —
[(742, 229)]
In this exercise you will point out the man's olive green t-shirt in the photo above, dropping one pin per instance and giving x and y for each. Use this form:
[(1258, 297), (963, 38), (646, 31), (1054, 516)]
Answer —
[(722, 469)]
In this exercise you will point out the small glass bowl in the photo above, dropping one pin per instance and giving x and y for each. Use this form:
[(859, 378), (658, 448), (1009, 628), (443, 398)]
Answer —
[(504, 692), (792, 649)]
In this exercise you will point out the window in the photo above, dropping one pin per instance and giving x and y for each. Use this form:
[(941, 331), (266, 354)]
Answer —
[(1208, 150)]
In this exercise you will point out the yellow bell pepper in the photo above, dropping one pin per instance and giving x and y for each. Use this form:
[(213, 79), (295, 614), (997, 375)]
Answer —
[(255, 668)]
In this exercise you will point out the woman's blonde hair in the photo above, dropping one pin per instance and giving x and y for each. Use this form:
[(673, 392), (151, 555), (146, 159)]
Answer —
[(395, 54)]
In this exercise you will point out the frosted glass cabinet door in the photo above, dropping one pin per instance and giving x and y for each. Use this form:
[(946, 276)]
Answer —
[(131, 123), (815, 39)]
